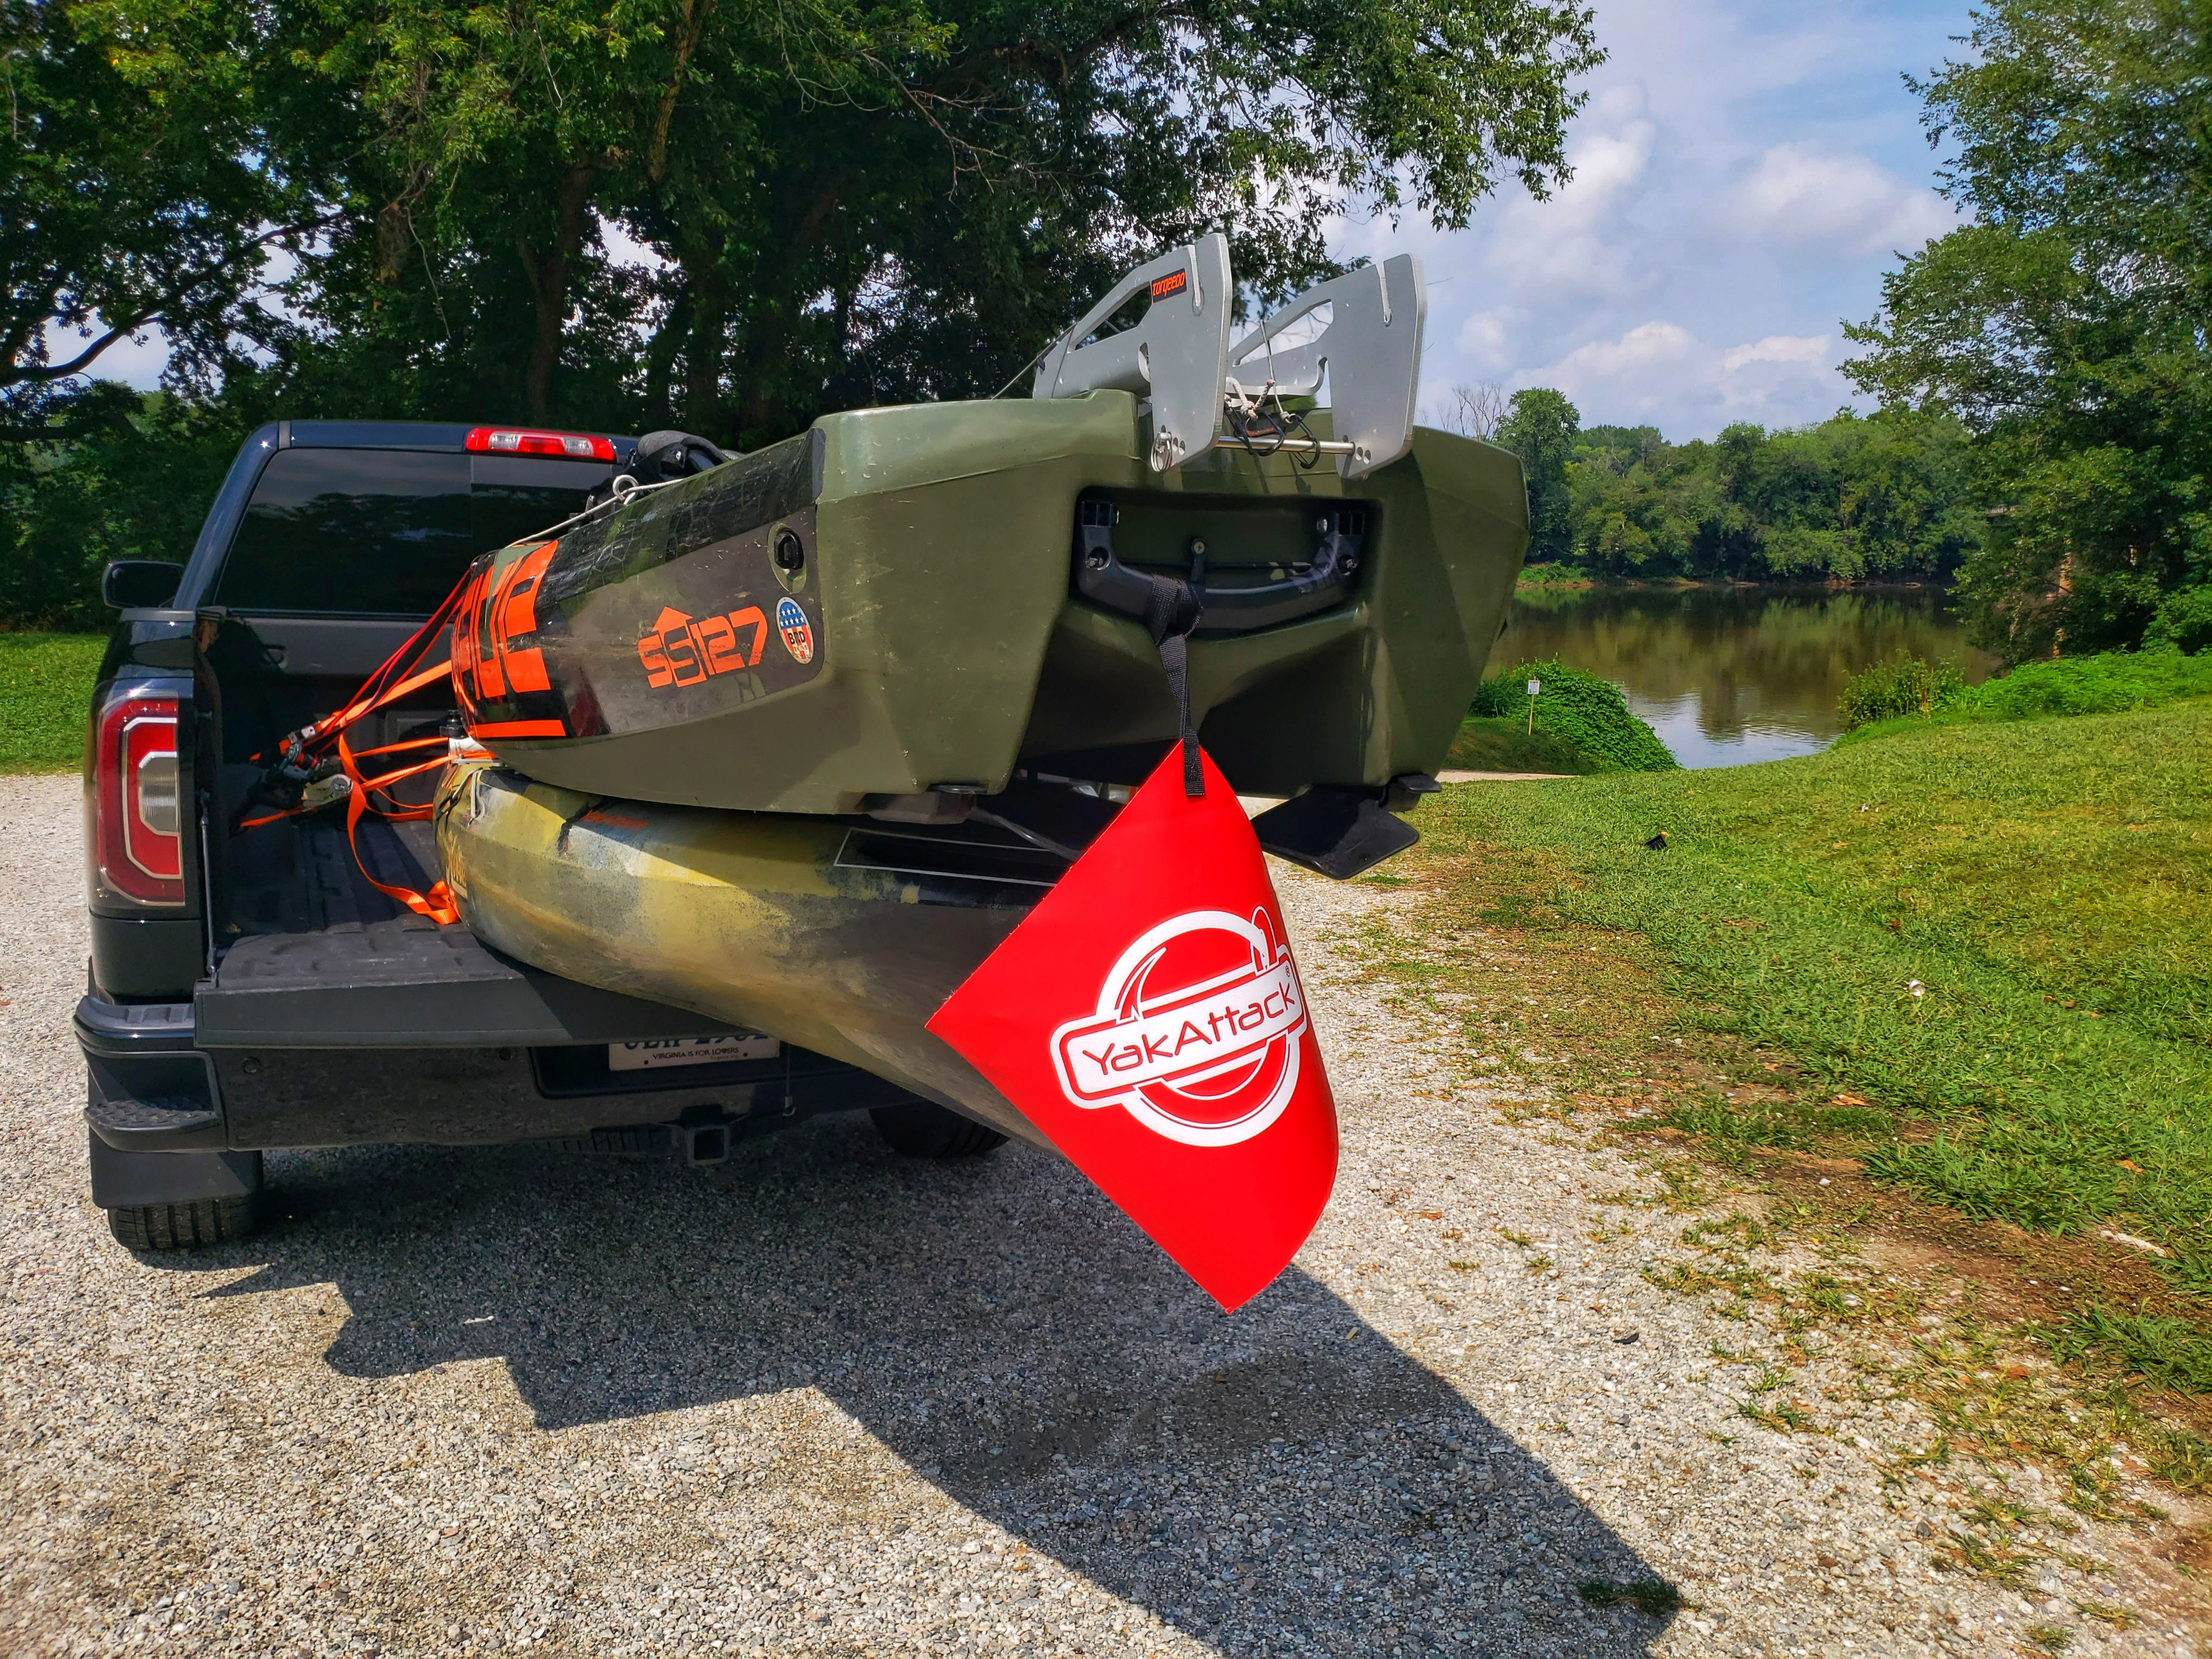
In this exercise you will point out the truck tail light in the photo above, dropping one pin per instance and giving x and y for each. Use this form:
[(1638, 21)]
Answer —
[(519, 440), (134, 800)]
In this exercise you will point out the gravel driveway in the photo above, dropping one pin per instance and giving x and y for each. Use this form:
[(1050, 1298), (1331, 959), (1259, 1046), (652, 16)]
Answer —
[(823, 1401)]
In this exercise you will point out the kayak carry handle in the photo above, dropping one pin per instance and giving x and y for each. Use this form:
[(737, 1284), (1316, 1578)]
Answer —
[(1320, 583)]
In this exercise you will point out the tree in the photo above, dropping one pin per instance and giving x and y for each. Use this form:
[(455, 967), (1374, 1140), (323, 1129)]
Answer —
[(845, 203), (1476, 410), (2065, 325), (1846, 499), (133, 196), (1541, 426), (854, 201)]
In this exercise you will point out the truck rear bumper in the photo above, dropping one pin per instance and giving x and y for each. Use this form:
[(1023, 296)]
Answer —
[(346, 1047)]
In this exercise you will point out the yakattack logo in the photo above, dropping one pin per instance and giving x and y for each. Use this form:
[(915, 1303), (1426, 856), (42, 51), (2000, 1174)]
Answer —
[(797, 633), (1197, 1031), (678, 651)]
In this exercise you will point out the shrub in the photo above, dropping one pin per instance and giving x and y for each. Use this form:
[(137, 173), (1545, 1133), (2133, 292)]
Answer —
[(2108, 682), (2184, 621), (1906, 686), (1589, 713), (2111, 683), (1544, 575)]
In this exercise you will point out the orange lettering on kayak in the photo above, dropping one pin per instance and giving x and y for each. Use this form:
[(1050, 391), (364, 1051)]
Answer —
[(678, 651)]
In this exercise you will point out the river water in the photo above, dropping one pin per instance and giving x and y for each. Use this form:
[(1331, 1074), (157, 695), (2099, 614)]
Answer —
[(1731, 675)]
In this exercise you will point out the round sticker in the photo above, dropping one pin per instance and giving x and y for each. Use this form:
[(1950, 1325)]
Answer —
[(796, 632)]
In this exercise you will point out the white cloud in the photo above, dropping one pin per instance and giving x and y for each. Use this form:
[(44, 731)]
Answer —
[(1801, 194), (1482, 339), (137, 359), (1660, 373), (1780, 348), (1581, 243), (1744, 171)]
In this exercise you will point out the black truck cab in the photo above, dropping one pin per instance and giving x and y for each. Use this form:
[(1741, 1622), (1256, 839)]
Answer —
[(251, 988)]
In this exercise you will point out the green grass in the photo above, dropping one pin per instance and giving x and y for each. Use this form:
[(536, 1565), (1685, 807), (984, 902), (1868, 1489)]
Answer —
[(1507, 745), (45, 689), (1995, 939)]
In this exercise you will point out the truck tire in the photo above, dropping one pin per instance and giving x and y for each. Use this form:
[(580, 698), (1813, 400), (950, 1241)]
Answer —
[(922, 1128), (184, 1226)]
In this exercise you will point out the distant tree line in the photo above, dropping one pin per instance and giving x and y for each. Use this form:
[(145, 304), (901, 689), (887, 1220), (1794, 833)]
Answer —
[(1853, 498), (726, 218)]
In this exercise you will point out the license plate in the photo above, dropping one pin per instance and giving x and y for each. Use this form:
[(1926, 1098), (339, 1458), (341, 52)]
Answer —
[(689, 1051)]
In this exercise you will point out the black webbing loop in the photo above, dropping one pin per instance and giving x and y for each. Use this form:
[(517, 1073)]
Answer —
[(1172, 611)]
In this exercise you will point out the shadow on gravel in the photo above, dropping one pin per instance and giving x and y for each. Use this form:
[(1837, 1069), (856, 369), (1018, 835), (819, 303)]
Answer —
[(1281, 1481)]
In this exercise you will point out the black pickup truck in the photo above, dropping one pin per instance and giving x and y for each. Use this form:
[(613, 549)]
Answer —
[(251, 989)]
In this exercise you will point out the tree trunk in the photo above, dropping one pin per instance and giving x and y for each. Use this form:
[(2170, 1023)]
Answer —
[(550, 273), (660, 359), (771, 328), (767, 336), (704, 285), (687, 42)]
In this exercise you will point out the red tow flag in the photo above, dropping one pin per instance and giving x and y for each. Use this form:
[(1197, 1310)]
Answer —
[(1148, 1019)]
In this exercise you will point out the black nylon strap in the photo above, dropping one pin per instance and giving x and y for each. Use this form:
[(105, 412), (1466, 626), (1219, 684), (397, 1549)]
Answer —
[(1172, 611)]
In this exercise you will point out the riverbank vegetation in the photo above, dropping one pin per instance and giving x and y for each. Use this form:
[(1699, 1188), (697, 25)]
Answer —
[(1970, 963), (2062, 323), (2044, 372), (1909, 691), (1576, 723)]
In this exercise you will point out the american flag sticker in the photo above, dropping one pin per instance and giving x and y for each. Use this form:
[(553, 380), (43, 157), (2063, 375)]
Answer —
[(798, 634)]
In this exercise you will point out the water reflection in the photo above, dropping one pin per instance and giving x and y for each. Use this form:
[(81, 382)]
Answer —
[(1731, 675)]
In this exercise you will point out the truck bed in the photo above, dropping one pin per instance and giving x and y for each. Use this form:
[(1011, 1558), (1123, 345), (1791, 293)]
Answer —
[(318, 957)]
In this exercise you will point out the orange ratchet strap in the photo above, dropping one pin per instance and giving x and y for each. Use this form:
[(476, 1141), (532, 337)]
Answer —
[(437, 904), (372, 794)]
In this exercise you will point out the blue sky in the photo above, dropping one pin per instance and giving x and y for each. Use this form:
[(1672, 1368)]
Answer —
[(1745, 173)]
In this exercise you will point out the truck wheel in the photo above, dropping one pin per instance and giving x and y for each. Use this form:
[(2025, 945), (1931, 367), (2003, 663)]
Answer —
[(184, 1226), (922, 1128)]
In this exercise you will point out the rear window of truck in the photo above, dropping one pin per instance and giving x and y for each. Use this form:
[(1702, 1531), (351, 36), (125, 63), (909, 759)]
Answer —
[(386, 531)]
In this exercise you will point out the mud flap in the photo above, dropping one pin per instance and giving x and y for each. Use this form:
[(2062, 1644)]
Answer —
[(1337, 831), (123, 1180)]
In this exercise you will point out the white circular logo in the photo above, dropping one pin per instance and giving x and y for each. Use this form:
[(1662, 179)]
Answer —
[(1197, 1031)]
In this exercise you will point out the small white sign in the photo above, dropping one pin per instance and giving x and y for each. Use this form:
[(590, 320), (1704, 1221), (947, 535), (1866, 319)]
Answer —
[(1534, 686), (689, 1051)]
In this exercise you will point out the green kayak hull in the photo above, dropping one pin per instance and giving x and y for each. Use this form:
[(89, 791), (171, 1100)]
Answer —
[(913, 600)]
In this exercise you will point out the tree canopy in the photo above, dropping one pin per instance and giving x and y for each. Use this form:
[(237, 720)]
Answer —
[(1847, 499), (895, 198), (2064, 326), (650, 213)]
